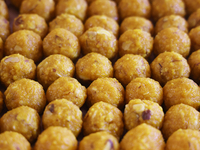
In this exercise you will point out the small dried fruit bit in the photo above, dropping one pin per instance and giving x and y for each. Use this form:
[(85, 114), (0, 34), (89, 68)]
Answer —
[(143, 111)]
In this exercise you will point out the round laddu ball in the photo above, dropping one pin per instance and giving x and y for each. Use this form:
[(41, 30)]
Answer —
[(139, 111), (161, 8), (10, 140), (26, 43), (56, 138), (191, 6), (99, 40), (194, 62), (25, 92), (144, 88), (23, 120), (194, 19), (194, 35), (181, 90), (184, 139), (68, 22), (31, 22), (172, 40), (137, 42), (103, 21), (54, 67), (62, 112), (1, 101), (77, 8), (108, 90), (99, 140), (1, 48), (130, 67), (16, 3), (105, 7), (67, 88), (149, 138), (171, 21), (15, 67), (4, 10), (61, 41), (134, 22), (4, 28), (103, 117), (93, 66), (128, 8), (44, 8), (180, 116), (169, 65)]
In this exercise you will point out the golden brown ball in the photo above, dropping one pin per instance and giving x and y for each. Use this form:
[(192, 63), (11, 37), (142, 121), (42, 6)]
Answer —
[(137, 42), (144, 88), (64, 113), (143, 137), (56, 138), (130, 67), (169, 65), (180, 116), (181, 90), (68, 88), (23, 120), (10, 140), (172, 40), (139, 111), (103, 117)]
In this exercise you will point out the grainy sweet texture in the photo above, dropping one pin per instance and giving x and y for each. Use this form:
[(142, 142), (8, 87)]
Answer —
[(44, 8), (15, 67), (98, 141), (68, 88), (194, 37), (54, 67), (161, 8), (69, 22), (23, 120), (139, 111), (62, 112), (105, 7), (130, 67), (25, 92), (127, 8), (99, 40), (177, 117), (184, 139), (172, 40), (108, 90), (135, 22), (12, 140), (70, 7), (144, 88), (26, 43), (104, 22), (150, 138), (171, 21), (194, 62), (181, 90), (61, 41), (137, 42), (93, 66), (59, 138), (103, 117), (169, 65), (31, 22)]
